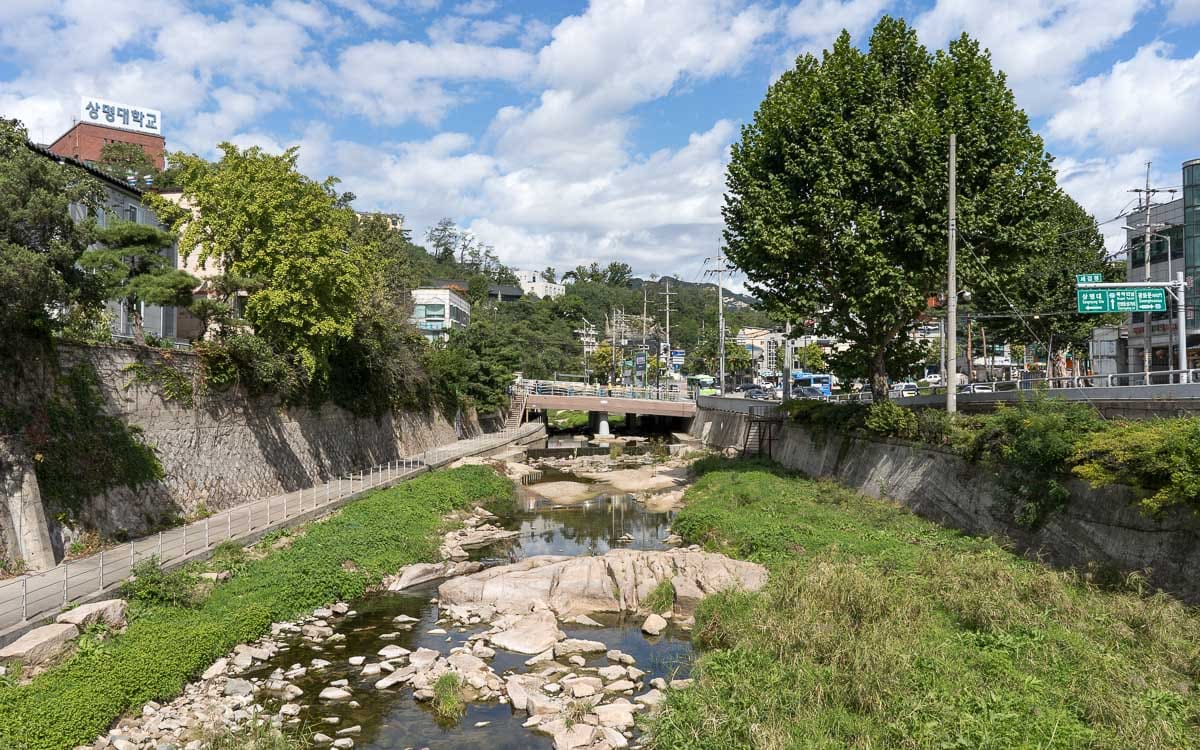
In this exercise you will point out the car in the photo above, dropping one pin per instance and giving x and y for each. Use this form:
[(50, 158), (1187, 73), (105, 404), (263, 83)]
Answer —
[(808, 391), (933, 378), (760, 394), (748, 387), (903, 390), (976, 388)]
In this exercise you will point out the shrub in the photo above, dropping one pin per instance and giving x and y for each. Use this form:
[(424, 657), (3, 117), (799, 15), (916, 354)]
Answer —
[(1162, 455), (152, 585), (891, 420), (827, 415)]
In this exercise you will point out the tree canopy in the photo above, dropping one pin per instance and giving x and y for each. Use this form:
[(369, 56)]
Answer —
[(256, 215), (836, 204), (40, 241)]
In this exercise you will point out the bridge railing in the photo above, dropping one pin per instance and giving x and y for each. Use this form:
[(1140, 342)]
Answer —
[(679, 393)]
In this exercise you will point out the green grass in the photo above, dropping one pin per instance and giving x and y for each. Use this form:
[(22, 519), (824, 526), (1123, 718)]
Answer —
[(572, 419), (256, 737), (448, 701), (881, 630), (661, 598), (165, 646)]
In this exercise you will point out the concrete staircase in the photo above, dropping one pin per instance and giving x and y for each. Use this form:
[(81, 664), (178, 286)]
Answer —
[(516, 411)]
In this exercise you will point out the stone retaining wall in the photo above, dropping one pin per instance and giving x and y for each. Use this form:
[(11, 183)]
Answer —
[(226, 449), (1098, 527)]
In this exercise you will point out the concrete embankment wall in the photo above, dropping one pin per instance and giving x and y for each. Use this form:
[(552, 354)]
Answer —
[(1098, 527), (225, 449)]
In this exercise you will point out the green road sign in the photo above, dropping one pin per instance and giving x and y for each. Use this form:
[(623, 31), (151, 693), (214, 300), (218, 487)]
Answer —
[(1089, 278), (1121, 300)]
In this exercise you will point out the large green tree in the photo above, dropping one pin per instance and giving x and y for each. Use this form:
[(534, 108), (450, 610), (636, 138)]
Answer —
[(130, 266), (254, 214), (40, 242), (837, 191)]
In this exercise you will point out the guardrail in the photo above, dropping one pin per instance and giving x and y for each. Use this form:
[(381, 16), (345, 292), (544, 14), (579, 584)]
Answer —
[(568, 388), (31, 597)]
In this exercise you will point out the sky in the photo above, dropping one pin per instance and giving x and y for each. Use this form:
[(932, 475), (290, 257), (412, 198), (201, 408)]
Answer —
[(569, 132)]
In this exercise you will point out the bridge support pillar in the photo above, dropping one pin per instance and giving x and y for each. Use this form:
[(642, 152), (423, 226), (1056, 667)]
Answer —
[(599, 422)]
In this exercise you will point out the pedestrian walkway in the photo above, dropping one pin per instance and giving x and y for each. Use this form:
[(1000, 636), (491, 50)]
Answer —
[(27, 599)]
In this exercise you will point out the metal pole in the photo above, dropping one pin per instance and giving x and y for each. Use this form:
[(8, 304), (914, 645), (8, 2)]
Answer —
[(1182, 316), (721, 318), (101, 569), (160, 559), (1146, 264), (952, 286), (787, 361)]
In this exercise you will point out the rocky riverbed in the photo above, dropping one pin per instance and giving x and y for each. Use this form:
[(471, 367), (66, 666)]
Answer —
[(539, 614)]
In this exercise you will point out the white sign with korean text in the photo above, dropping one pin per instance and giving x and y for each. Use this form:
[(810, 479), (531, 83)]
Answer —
[(123, 116)]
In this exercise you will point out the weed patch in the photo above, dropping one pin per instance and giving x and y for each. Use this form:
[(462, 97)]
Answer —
[(879, 629)]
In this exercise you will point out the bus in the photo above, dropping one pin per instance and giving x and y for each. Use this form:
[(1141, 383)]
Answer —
[(801, 379), (702, 385)]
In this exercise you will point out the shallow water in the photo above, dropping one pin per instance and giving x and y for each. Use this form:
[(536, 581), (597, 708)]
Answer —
[(393, 719)]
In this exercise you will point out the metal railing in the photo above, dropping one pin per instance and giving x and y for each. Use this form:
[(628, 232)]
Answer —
[(31, 597), (568, 388), (1119, 380)]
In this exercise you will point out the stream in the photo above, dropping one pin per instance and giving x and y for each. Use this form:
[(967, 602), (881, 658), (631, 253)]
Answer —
[(393, 718)]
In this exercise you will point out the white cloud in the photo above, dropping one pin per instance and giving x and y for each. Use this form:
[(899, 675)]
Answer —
[(393, 82), (475, 8), (1149, 98), (817, 23), (1101, 185), (1184, 11), (1040, 44)]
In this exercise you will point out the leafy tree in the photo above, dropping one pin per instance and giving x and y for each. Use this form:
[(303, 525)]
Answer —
[(257, 216), (477, 288), (210, 312), (130, 266), (618, 274), (704, 358), (40, 243), (485, 361), (444, 239), (128, 162), (810, 358), (602, 362), (837, 190), (549, 275)]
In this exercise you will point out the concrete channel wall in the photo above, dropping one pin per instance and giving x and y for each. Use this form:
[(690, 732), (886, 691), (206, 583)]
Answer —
[(1099, 529)]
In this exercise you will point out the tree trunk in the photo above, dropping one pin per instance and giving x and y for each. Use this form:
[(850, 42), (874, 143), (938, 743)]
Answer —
[(139, 331), (879, 380)]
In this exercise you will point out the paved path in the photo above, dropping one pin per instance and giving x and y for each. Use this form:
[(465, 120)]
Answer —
[(26, 600)]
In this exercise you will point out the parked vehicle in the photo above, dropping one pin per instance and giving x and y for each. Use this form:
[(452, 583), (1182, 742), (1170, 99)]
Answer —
[(759, 394), (976, 388), (748, 387), (809, 391), (904, 390), (824, 382)]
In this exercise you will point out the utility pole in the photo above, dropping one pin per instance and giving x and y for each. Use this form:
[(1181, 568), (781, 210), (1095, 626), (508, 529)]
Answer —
[(668, 295), (1147, 194), (952, 286), (787, 360), (645, 372), (721, 318)]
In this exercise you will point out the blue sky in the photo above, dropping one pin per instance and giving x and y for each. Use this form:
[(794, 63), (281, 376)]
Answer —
[(567, 132)]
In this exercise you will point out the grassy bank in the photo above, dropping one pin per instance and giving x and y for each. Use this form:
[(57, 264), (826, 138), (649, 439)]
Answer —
[(573, 419), (881, 630), (165, 646)]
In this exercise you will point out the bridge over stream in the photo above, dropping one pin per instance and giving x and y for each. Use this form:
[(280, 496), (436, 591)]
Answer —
[(601, 400)]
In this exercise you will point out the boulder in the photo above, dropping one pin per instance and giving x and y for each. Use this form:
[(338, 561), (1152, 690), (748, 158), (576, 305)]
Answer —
[(41, 645), (614, 582), (578, 646), (519, 687), (530, 634), (110, 612), (415, 575), (654, 625)]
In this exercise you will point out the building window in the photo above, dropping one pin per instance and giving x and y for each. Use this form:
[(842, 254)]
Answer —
[(131, 213)]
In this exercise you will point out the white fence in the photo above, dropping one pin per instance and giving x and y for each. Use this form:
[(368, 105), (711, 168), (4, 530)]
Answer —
[(31, 597)]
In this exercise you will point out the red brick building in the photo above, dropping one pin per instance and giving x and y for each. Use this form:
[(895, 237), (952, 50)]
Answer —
[(85, 139)]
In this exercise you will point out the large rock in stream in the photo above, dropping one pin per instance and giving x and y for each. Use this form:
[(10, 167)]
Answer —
[(615, 582)]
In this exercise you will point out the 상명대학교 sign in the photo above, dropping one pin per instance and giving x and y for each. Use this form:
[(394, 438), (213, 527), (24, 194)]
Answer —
[(123, 116)]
